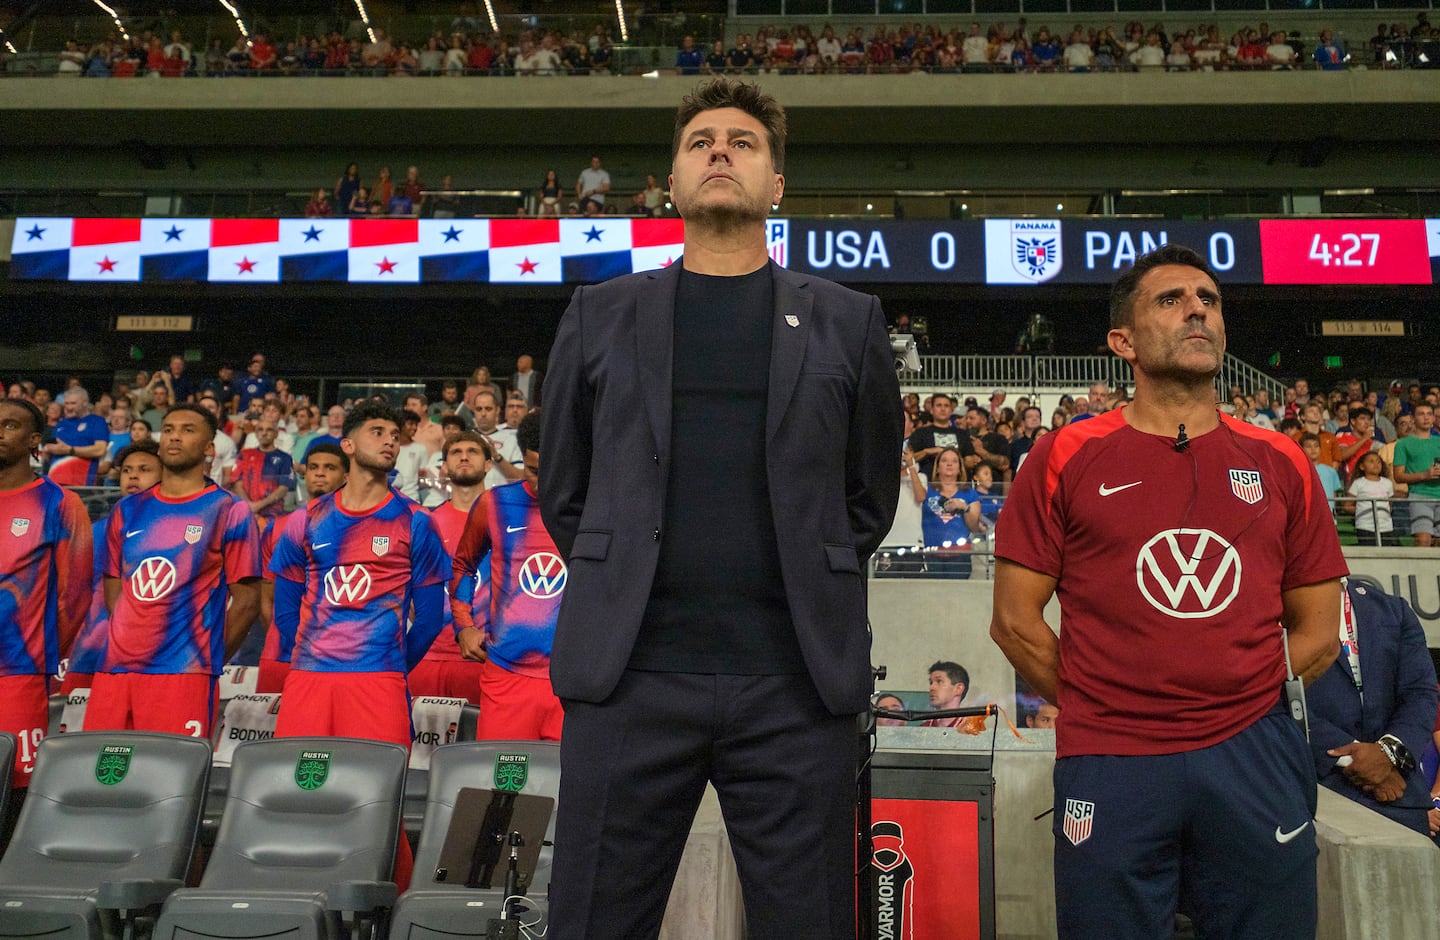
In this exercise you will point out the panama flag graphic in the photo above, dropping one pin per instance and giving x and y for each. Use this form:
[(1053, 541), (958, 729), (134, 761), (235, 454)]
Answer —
[(525, 251), (314, 249), (245, 250), (455, 250), (657, 243), (105, 250), (385, 251)]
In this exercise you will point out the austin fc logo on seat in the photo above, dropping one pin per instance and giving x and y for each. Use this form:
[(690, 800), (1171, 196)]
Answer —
[(1188, 573), (542, 576), (347, 585), (153, 578)]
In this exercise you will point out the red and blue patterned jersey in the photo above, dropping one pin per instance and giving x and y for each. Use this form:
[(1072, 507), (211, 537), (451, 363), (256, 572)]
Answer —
[(88, 650), (175, 559), (67, 469), (450, 524), (358, 571), (276, 647), (527, 578), (262, 472), (45, 563)]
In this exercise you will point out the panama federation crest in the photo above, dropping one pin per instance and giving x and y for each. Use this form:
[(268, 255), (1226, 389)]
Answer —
[(312, 769), (113, 764), (511, 772), (1035, 247), (1245, 484)]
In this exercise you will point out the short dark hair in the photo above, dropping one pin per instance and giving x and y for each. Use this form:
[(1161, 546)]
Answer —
[(1357, 411), (957, 673), (474, 437), (368, 410), (333, 449), (722, 92), (1121, 311), (453, 421), (527, 435), (139, 447), (193, 409), (37, 417), (409, 417), (1309, 436)]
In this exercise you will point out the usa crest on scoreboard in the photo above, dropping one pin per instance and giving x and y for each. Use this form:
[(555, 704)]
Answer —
[(1079, 817), (1246, 485)]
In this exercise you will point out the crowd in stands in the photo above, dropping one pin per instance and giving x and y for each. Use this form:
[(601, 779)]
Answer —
[(1001, 47), (532, 52), (1374, 452), (919, 47), (591, 195)]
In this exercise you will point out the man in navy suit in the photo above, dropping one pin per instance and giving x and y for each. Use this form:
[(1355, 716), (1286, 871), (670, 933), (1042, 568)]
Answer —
[(1368, 728), (720, 441)]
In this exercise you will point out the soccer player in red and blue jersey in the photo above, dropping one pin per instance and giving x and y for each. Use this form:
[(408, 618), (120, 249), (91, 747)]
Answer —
[(445, 671), (527, 579), (139, 467), (45, 563), (325, 471), (1182, 545), (263, 475), (177, 553), (349, 571)]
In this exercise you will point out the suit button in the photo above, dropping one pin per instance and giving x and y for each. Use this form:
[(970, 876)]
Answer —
[(657, 535), (655, 457)]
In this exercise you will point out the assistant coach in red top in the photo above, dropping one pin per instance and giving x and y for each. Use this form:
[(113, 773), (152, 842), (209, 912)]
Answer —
[(1180, 543)]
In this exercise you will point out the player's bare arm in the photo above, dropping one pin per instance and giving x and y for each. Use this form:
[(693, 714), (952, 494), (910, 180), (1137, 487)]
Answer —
[(1018, 625), (1310, 614)]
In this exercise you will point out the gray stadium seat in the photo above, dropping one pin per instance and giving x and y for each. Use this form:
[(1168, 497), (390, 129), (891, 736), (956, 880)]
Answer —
[(417, 782), (308, 835), (7, 799), (109, 824), (432, 911), (57, 709)]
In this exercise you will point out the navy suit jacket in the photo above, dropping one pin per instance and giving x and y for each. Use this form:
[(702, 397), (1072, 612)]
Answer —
[(1400, 699), (833, 436)]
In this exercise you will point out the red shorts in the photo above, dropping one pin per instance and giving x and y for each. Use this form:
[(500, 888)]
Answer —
[(25, 713), (76, 680), (447, 678), (271, 677), (517, 708), (137, 701), (372, 705)]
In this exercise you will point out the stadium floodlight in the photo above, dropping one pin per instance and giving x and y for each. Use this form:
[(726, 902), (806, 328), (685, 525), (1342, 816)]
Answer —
[(619, 15), (114, 16), (490, 15), (235, 14), (365, 18)]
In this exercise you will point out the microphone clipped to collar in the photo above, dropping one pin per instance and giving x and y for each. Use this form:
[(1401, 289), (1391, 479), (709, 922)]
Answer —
[(1182, 443)]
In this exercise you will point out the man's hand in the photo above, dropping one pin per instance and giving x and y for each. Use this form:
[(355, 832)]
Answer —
[(1389, 790), (1369, 766), (1434, 822), (472, 644)]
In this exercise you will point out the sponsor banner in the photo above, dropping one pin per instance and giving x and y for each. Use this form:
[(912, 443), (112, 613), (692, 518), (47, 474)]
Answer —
[(72, 716), (926, 869), (248, 716), (434, 721)]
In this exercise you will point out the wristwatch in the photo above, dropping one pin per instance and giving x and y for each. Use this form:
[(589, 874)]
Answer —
[(1398, 754)]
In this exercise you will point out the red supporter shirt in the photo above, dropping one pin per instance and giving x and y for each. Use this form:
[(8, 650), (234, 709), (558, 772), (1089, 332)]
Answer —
[(1170, 571)]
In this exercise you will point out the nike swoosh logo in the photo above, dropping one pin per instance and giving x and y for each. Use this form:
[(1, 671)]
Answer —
[(320, 545), (1283, 837), (131, 535), (514, 528), (1112, 490)]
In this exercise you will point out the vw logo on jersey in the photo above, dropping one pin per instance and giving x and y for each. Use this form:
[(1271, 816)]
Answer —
[(542, 575), (18, 526), (193, 533), (347, 585), (380, 545), (153, 579), (1189, 574)]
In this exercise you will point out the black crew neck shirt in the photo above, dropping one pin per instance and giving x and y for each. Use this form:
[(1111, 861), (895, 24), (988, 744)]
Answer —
[(717, 604)]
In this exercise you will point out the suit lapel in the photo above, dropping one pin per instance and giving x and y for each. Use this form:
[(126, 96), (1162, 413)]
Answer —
[(655, 351), (789, 335)]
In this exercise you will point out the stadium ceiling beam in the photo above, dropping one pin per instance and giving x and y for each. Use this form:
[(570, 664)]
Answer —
[(13, 28)]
